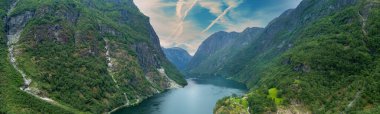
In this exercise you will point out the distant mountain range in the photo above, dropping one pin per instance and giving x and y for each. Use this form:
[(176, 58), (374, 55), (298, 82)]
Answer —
[(214, 53), (178, 56)]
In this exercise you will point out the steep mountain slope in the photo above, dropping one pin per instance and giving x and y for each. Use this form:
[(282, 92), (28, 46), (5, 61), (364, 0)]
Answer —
[(178, 56), (79, 56), (12, 99), (216, 50), (322, 57)]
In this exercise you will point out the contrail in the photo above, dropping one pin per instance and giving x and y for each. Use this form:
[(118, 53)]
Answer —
[(218, 18), (178, 31), (179, 7), (231, 5), (180, 27), (188, 10)]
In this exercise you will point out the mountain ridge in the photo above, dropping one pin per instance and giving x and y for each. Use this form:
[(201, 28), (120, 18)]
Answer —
[(81, 56), (312, 59), (178, 56), (218, 48)]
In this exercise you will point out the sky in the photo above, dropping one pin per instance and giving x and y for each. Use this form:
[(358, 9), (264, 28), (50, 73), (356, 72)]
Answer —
[(186, 23)]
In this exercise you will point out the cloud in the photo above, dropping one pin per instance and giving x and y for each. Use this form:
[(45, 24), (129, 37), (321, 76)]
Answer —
[(181, 16), (159, 17), (179, 7), (148, 7), (166, 22), (217, 19), (189, 9), (220, 18), (240, 24), (213, 6), (175, 26), (189, 40)]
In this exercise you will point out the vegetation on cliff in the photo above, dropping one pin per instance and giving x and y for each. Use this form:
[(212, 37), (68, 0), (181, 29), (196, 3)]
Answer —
[(88, 56)]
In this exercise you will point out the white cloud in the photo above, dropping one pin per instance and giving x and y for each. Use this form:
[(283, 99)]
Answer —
[(181, 16), (166, 24), (215, 7), (179, 7), (220, 18), (175, 30), (189, 9)]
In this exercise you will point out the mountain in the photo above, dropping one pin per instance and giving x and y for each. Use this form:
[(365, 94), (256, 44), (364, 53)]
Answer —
[(219, 48), (321, 57), (178, 56), (87, 56)]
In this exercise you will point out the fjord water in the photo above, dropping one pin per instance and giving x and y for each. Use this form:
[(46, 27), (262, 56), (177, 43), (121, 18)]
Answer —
[(198, 97)]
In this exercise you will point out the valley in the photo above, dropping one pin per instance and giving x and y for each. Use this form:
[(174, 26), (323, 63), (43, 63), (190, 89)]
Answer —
[(139, 57), (198, 97)]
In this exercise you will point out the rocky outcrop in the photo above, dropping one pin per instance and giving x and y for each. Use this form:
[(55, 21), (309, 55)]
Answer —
[(178, 56), (16, 24), (151, 61), (148, 60)]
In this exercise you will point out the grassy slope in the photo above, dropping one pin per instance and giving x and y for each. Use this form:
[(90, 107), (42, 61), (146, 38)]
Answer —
[(332, 64)]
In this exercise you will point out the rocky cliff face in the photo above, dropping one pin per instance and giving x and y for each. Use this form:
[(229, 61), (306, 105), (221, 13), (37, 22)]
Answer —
[(178, 56), (219, 48), (86, 56)]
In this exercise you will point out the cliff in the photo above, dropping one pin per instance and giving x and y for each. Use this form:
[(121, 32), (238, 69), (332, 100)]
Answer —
[(81, 56)]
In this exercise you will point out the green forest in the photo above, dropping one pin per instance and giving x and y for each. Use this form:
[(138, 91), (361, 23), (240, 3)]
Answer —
[(100, 56), (333, 66), (62, 49)]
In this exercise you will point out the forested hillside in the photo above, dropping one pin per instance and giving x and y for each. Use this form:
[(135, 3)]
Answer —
[(86, 56), (178, 56), (322, 57), (214, 53)]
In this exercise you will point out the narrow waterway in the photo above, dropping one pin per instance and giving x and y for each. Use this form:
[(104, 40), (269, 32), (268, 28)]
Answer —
[(199, 97)]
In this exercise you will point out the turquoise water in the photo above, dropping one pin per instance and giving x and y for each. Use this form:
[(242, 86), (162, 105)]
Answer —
[(198, 97)]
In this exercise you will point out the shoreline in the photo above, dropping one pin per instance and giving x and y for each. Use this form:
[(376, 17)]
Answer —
[(125, 106), (139, 101)]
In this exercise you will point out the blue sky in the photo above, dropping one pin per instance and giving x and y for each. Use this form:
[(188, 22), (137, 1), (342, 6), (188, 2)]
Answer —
[(186, 23)]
